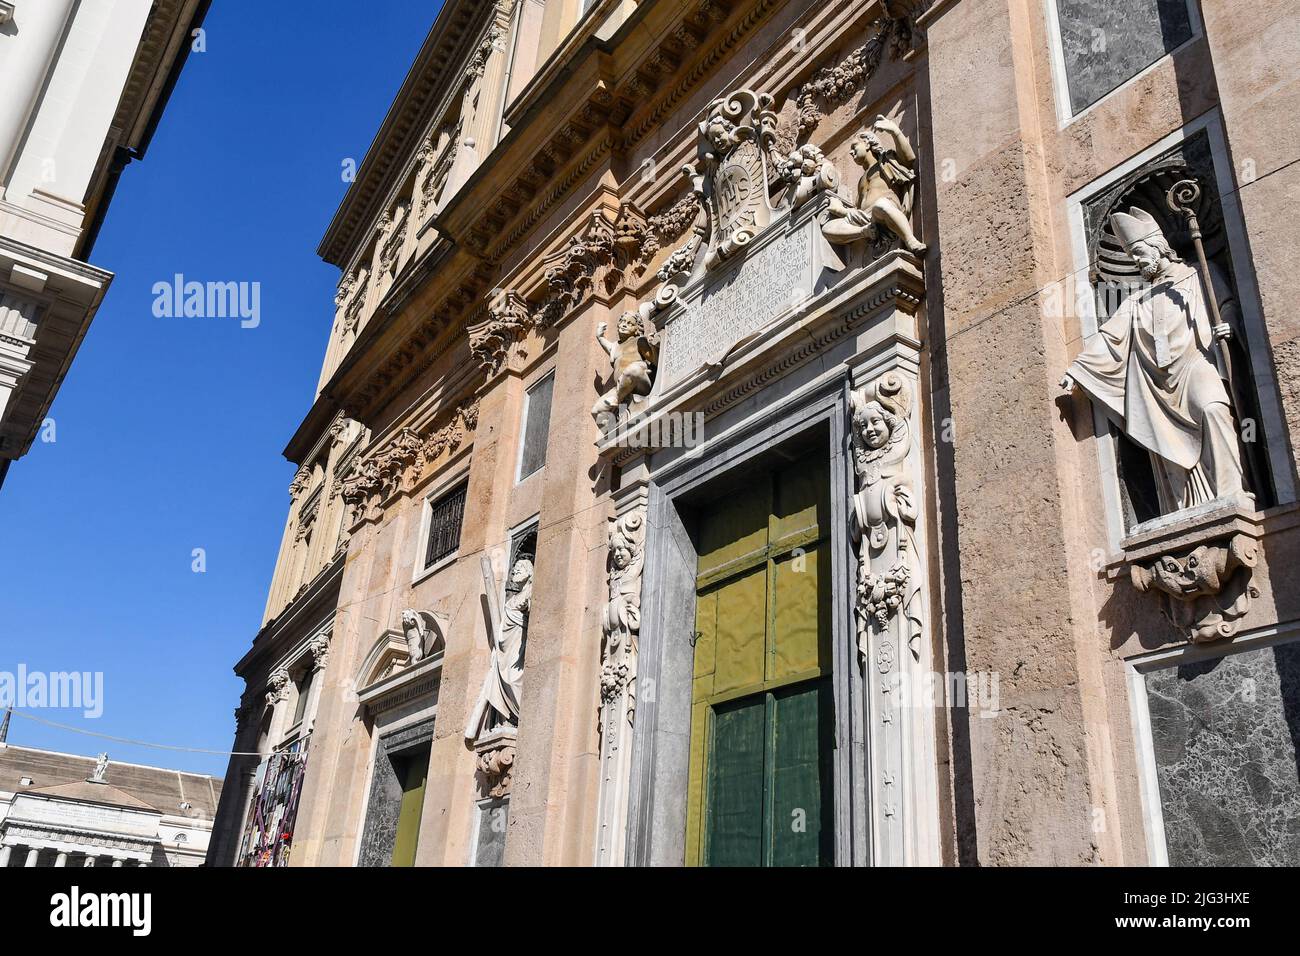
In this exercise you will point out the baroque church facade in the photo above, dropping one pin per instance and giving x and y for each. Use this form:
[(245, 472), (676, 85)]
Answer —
[(777, 432)]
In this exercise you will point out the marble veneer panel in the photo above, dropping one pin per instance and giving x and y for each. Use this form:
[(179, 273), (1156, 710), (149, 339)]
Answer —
[(1107, 42), (1225, 734)]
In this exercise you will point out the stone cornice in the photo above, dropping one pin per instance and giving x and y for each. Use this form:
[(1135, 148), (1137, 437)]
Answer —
[(302, 616), (445, 49), (610, 95)]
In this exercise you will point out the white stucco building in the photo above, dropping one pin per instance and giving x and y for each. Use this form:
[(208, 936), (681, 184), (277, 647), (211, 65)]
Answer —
[(61, 809), (82, 86)]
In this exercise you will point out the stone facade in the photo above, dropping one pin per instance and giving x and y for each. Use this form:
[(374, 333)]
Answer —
[(683, 245), (83, 88)]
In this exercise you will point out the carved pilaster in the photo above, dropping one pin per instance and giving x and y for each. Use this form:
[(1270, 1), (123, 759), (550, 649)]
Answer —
[(620, 636), (891, 622)]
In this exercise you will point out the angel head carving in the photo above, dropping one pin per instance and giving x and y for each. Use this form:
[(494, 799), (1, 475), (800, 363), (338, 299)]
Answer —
[(629, 326), (626, 537), (880, 416), (721, 134)]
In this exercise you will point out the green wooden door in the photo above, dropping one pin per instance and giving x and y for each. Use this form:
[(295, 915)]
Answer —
[(761, 722), (413, 771)]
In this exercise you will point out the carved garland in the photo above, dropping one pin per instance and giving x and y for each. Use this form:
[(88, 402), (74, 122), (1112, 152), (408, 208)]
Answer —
[(831, 86), (396, 467)]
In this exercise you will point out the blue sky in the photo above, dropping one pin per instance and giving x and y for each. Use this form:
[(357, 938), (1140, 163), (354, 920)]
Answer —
[(169, 431)]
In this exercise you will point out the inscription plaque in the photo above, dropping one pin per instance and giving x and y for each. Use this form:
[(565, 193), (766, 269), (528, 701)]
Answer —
[(761, 287)]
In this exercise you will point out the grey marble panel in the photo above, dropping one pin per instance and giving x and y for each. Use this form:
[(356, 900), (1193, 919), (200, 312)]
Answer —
[(1106, 42), (1225, 734), (493, 820), (382, 810)]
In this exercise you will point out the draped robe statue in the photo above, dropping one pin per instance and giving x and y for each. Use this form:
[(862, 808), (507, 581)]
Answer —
[(498, 701), (1154, 370)]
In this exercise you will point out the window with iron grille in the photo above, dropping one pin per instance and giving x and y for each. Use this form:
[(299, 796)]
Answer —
[(445, 516)]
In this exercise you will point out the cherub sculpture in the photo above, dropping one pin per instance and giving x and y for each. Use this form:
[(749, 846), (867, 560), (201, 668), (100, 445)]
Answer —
[(808, 170), (885, 510), (633, 359), (885, 190)]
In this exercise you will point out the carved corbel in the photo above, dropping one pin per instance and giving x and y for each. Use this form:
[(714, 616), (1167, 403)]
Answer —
[(278, 687), (320, 650), (1207, 588), (495, 765), (490, 340), (300, 480)]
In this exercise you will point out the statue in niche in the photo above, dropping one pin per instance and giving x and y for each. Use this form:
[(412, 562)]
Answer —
[(621, 620), (1153, 370), (633, 359), (885, 190), (498, 701), (1208, 588), (885, 511)]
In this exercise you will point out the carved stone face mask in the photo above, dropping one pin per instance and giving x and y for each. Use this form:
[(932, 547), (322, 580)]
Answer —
[(873, 426), (1189, 576)]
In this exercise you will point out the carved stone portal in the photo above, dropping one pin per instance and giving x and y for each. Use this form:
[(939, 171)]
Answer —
[(1207, 588)]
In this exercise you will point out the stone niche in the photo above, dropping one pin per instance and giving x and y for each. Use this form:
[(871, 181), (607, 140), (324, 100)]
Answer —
[(1224, 734), (1113, 273)]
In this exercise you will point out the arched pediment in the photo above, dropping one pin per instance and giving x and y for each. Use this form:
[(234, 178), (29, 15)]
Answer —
[(391, 652), (387, 656)]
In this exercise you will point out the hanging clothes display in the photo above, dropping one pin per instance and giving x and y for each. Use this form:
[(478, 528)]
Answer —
[(277, 785)]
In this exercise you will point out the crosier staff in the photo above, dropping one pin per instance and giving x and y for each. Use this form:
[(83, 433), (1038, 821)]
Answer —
[(1182, 198)]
